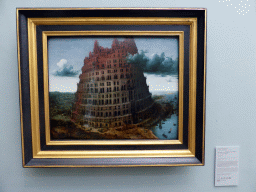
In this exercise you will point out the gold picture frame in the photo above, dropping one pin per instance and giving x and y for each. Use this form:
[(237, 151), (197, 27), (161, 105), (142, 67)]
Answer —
[(35, 26)]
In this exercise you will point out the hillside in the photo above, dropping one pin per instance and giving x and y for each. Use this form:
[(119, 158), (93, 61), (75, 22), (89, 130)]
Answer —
[(61, 104)]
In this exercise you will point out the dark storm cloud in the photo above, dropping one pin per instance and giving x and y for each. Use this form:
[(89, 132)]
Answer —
[(65, 70), (158, 64)]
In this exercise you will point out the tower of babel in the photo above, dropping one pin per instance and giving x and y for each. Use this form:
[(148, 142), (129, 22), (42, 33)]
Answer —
[(112, 92)]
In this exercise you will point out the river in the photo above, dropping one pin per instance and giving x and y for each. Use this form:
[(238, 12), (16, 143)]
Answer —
[(167, 129)]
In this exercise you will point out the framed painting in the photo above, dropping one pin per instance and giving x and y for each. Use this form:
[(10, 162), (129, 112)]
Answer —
[(112, 87)]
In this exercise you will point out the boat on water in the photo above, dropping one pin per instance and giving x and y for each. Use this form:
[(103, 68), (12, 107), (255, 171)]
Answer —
[(164, 135), (160, 125), (170, 130)]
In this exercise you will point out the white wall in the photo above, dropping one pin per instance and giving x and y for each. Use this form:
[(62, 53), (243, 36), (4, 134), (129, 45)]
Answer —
[(230, 107)]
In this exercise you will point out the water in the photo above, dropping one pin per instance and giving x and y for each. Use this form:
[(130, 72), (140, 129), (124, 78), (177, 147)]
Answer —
[(169, 128)]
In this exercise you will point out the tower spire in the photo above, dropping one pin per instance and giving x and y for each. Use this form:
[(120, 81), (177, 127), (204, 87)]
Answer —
[(115, 43), (96, 47)]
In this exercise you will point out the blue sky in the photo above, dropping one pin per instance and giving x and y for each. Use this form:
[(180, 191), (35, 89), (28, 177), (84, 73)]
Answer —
[(66, 56)]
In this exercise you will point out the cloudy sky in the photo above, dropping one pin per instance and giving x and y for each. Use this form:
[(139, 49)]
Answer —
[(156, 55)]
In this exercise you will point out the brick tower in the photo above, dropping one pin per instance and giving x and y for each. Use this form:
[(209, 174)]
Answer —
[(112, 92)]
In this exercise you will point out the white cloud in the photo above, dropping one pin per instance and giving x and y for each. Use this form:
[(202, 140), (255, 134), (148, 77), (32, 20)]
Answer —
[(62, 63), (65, 69)]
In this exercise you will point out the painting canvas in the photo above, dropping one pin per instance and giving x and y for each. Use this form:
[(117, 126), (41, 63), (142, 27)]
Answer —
[(113, 88)]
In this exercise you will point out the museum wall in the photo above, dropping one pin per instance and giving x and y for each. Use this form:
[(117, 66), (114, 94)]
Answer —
[(230, 107)]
